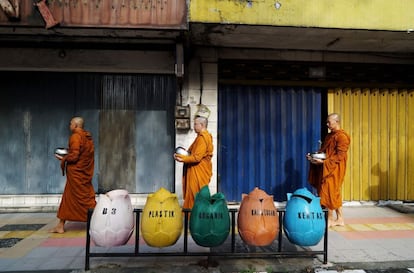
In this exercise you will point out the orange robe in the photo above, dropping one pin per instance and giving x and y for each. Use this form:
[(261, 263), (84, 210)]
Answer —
[(328, 177), (79, 194), (198, 168)]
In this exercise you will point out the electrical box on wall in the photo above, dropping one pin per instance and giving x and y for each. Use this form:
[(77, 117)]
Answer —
[(182, 117)]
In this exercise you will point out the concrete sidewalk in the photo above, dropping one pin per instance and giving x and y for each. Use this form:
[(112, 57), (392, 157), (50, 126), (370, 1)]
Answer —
[(375, 238)]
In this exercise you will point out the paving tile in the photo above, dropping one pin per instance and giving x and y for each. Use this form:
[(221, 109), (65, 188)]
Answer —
[(379, 220), (371, 234), (18, 234), (43, 252), (5, 264), (342, 271), (63, 242), (9, 242), (390, 226), (389, 234), (56, 262), (19, 227)]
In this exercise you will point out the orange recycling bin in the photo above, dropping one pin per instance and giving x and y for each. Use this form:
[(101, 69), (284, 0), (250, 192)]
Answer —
[(258, 218)]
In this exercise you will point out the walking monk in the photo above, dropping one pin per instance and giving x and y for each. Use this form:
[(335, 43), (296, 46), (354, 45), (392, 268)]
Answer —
[(198, 169), (79, 194), (328, 175)]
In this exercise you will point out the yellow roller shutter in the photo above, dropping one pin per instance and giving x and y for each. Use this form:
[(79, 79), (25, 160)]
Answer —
[(381, 162)]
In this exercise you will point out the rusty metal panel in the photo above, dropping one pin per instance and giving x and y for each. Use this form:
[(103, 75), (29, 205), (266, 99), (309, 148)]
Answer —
[(151, 14), (137, 110), (381, 141)]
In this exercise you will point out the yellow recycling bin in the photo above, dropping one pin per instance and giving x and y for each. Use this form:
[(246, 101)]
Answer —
[(162, 219)]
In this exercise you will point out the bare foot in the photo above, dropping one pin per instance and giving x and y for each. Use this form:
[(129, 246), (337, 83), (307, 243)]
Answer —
[(57, 230), (331, 223), (339, 223), (336, 223)]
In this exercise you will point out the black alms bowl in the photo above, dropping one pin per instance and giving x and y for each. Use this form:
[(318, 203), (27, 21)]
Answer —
[(61, 151)]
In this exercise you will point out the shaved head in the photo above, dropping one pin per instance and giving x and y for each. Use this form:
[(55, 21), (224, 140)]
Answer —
[(78, 121)]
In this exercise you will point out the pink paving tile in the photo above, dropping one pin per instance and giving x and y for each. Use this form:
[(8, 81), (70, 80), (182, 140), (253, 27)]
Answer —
[(367, 235), (75, 226), (63, 242), (379, 220), (79, 241)]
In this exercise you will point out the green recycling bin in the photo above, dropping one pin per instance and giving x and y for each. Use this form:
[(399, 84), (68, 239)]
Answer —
[(210, 219)]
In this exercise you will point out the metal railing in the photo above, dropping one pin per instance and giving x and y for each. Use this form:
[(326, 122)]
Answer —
[(230, 254)]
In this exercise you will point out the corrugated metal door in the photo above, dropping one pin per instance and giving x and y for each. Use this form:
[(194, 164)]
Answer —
[(129, 116), (264, 134), (136, 132), (381, 129)]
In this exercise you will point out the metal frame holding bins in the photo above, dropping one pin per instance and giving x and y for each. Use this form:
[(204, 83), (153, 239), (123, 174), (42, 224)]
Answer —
[(185, 252)]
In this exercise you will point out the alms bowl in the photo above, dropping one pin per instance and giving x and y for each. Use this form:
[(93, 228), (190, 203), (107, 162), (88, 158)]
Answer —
[(61, 151), (318, 155), (181, 151)]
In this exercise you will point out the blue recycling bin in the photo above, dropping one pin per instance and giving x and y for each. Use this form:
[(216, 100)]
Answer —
[(304, 220)]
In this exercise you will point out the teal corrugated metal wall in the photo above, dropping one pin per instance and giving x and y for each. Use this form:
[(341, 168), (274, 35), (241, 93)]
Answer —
[(130, 118)]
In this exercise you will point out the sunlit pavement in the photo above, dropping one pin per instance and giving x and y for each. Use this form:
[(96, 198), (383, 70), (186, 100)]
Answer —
[(375, 238)]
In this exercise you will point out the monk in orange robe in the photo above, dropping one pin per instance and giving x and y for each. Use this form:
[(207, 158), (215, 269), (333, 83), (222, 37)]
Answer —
[(198, 168), (328, 175), (79, 194)]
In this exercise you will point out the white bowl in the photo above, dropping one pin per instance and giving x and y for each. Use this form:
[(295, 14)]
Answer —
[(318, 155), (61, 151), (181, 151)]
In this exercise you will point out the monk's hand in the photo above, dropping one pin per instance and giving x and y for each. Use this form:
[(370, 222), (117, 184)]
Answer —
[(178, 158), (59, 157), (316, 161), (63, 166)]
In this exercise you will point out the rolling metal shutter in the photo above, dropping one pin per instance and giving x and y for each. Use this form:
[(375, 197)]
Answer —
[(264, 134), (381, 129)]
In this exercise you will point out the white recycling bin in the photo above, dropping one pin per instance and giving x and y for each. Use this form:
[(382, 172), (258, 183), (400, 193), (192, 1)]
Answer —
[(112, 221)]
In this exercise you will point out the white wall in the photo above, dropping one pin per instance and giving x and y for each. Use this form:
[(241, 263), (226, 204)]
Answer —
[(206, 86)]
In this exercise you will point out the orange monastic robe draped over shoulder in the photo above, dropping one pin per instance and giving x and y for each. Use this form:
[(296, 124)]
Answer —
[(328, 178), (79, 194), (198, 168)]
